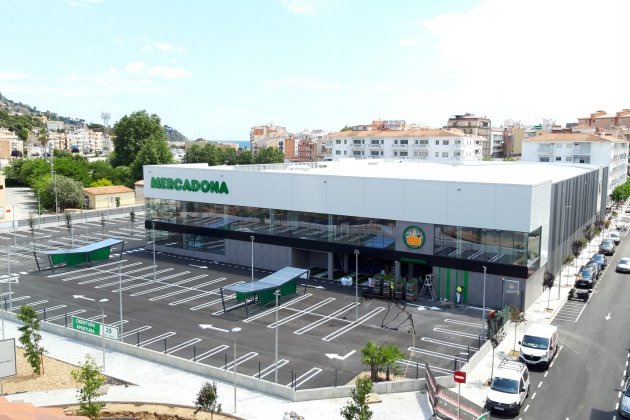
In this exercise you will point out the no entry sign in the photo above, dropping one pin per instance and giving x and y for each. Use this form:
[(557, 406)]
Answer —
[(460, 377)]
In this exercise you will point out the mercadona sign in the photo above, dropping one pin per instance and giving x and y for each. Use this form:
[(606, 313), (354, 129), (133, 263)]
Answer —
[(193, 185)]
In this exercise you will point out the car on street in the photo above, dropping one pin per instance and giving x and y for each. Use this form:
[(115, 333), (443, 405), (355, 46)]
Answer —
[(623, 265), (600, 259), (585, 279), (597, 271), (627, 209), (624, 401), (607, 247), (509, 387), (614, 236)]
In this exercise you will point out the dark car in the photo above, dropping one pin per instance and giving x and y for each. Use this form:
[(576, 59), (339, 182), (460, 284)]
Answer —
[(600, 259), (607, 247), (597, 271), (585, 279)]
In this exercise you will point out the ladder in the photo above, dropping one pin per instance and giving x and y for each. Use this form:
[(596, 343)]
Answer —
[(428, 285)]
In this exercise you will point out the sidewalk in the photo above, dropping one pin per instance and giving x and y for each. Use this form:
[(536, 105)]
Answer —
[(161, 384), (476, 388)]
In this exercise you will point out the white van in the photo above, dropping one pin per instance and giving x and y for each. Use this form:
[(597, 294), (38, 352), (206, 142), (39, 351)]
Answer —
[(539, 345), (614, 236), (509, 387)]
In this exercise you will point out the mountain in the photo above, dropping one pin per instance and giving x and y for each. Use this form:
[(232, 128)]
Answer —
[(174, 135)]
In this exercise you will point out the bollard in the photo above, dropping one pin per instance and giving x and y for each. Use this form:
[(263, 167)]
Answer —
[(258, 370), (44, 314), (455, 364), (225, 366), (194, 354), (138, 338), (65, 316), (165, 346), (468, 354), (291, 379), (417, 370)]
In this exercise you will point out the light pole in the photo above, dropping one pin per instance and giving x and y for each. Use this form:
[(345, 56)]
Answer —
[(9, 277), (561, 246), (235, 331), (356, 284), (120, 299), (100, 303), (39, 209), (153, 235), (277, 293), (252, 238), (483, 312)]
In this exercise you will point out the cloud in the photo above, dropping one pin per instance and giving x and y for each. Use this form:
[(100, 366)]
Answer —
[(163, 47), (308, 84), (301, 7), (140, 68), (86, 4), (11, 75), (406, 42)]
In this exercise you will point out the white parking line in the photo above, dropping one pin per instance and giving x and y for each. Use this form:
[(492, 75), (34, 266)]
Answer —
[(183, 345), (180, 291), (270, 369), (436, 354), (414, 364), (325, 319), (143, 277), (52, 308), (284, 305), (211, 352), (240, 360), (97, 270), (157, 338), (448, 343), (167, 286), (352, 326), (200, 295), (56, 317), (302, 312), (300, 380), (458, 333), (470, 324), (137, 330)]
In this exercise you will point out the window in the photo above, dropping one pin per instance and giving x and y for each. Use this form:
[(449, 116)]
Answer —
[(395, 153), (395, 141), (437, 142), (375, 153), (404, 142), (558, 145), (444, 154), (437, 154), (338, 141), (424, 142), (376, 142), (357, 153), (558, 158), (357, 141), (338, 152), (403, 154), (544, 159), (345, 141), (445, 142), (344, 152)]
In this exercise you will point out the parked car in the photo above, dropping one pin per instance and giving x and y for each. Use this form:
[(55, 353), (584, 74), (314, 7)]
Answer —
[(607, 247), (624, 401), (623, 265), (585, 279), (600, 259), (509, 387), (614, 235), (597, 271), (627, 209)]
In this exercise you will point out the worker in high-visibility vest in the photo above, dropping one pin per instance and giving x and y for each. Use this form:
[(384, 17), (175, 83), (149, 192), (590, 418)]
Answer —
[(391, 289), (458, 294)]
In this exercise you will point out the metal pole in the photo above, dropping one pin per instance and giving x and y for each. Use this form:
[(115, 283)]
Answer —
[(39, 210), (356, 286), (252, 238), (483, 313), (120, 299), (9, 278), (153, 234), (277, 293), (235, 330), (14, 239), (103, 331), (459, 392), (1, 312)]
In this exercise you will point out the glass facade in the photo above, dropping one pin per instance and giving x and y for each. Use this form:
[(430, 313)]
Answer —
[(497, 246)]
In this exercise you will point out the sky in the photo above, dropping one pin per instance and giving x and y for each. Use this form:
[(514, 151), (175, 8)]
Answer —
[(215, 68)]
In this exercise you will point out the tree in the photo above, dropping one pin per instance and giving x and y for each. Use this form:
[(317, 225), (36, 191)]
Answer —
[(576, 249), (346, 128), (517, 317), (357, 408), (132, 219), (74, 167), (131, 133), (103, 182), (245, 157), (372, 355), (549, 280), (208, 399), (270, 155), (91, 379), (30, 337), (617, 195), (69, 193), (154, 151), (391, 356)]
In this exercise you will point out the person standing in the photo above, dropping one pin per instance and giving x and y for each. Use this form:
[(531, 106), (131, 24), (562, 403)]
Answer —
[(458, 294)]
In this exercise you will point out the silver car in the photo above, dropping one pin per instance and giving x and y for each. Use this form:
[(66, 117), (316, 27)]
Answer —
[(623, 265), (624, 401)]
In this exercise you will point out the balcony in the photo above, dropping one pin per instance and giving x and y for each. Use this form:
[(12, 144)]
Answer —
[(544, 150), (420, 146), (400, 146), (375, 146)]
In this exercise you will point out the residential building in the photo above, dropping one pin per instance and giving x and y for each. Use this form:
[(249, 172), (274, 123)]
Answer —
[(601, 120), (10, 145), (496, 143), (473, 125), (602, 151), (263, 136), (431, 144), (288, 147), (307, 150), (109, 197), (55, 125)]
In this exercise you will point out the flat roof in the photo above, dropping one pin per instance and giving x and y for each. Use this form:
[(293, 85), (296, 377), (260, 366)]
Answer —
[(490, 172)]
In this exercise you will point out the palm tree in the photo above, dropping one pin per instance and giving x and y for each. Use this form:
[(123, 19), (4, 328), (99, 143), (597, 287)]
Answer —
[(372, 355), (391, 355), (43, 139)]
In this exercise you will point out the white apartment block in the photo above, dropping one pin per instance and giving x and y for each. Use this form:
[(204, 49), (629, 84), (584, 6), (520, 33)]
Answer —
[(422, 144), (496, 143), (604, 151)]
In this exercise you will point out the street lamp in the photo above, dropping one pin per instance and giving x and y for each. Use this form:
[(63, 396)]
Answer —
[(561, 246), (13, 223), (235, 330), (120, 299), (252, 238), (100, 303), (483, 312), (9, 277), (153, 235), (356, 289), (277, 294)]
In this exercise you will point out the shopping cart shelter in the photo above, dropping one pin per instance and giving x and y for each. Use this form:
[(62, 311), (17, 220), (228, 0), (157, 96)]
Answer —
[(86, 254), (263, 290)]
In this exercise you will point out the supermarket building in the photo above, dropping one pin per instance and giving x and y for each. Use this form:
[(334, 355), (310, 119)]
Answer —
[(410, 218)]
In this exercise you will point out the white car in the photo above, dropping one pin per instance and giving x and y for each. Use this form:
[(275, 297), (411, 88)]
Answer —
[(509, 387), (624, 401), (614, 236), (623, 265)]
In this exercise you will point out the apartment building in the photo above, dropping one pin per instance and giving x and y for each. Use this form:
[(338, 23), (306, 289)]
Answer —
[(496, 143), (602, 120), (9, 142), (423, 144), (473, 125), (268, 135), (603, 151)]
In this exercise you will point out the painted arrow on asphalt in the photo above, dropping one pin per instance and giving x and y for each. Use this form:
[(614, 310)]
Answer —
[(198, 266), (607, 317), (82, 297), (314, 287), (336, 356), (210, 327)]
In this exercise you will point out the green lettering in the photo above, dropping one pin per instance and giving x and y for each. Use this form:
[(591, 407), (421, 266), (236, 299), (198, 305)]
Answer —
[(155, 182), (186, 185), (205, 186), (214, 186), (163, 183), (223, 189), (194, 185), (169, 183), (178, 184)]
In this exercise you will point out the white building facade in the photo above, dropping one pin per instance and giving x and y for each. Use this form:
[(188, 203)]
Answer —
[(590, 149), (435, 145), (410, 218)]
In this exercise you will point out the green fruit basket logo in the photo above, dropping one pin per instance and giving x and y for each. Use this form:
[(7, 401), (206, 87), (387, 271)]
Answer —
[(414, 237)]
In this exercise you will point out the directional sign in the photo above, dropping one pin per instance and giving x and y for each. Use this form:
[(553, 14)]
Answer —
[(94, 328), (459, 376)]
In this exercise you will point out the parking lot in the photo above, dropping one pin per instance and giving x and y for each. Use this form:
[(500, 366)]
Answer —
[(174, 307)]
